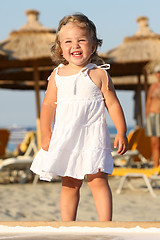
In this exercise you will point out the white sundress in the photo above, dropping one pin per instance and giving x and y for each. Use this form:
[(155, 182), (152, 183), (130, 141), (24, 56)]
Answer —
[(80, 142)]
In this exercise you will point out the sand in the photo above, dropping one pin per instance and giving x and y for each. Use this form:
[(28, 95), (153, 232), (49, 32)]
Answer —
[(40, 202)]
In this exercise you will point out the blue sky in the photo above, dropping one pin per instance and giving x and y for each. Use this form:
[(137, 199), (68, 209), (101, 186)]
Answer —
[(114, 19)]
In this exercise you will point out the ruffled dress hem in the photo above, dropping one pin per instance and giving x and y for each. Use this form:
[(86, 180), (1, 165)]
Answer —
[(45, 176), (46, 166)]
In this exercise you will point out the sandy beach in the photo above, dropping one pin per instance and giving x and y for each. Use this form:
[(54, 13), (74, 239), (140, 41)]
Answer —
[(40, 202)]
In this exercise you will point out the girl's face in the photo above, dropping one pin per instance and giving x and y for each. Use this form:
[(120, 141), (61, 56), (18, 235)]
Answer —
[(76, 44)]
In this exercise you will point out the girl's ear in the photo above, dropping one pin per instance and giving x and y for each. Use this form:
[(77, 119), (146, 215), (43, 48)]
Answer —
[(60, 50), (59, 46), (93, 49)]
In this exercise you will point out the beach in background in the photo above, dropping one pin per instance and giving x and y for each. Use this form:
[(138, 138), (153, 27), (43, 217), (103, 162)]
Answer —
[(40, 202)]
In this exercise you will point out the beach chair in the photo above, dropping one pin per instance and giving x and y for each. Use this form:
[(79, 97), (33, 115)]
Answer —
[(138, 140), (4, 138), (28, 147), (124, 160), (149, 175), (134, 160), (18, 168), (139, 150)]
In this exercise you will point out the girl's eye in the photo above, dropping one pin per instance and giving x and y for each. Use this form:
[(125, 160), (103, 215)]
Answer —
[(68, 41), (82, 40)]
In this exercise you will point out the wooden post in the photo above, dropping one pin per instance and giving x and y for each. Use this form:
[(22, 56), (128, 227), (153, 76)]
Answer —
[(138, 104), (145, 85), (36, 87), (139, 101)]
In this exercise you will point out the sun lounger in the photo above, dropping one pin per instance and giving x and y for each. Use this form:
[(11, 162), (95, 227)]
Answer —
[(126, 159), (148, 174), (28, 147), (4, 138), (18, 168), (137, 140), (139, 150)]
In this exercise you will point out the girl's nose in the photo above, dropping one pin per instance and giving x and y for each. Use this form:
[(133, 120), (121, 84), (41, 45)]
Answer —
[(75, 45)]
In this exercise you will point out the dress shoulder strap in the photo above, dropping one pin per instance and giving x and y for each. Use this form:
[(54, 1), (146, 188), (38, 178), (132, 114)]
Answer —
[(59, 66), (55, 69), (89, 66), (105, 66)]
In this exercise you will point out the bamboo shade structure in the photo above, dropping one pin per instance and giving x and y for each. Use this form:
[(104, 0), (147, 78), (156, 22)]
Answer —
[(131, 58), (28, 60)]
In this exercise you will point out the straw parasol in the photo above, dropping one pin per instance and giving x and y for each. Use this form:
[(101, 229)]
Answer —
[(31, 41), (3, 55), (130, 58), (143, 46), (153, 67), (29, 62)]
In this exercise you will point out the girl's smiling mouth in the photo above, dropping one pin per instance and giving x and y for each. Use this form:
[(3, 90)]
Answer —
[(76, 53)]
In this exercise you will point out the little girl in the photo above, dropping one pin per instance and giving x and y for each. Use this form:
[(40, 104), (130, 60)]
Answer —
[(75, 137)]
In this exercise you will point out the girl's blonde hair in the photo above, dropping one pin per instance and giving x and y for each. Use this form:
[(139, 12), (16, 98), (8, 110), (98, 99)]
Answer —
[(83, 22)]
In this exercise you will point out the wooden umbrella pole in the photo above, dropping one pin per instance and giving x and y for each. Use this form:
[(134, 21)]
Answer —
[(36, 86), (140, 101), (145, 85)]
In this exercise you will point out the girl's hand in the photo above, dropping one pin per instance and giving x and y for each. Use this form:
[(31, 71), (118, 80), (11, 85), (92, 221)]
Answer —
[(46, 141), (121, 142)]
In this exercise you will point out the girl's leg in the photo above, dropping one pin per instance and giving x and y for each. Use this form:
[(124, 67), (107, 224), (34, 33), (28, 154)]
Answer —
[(102, 195), (69, 198)]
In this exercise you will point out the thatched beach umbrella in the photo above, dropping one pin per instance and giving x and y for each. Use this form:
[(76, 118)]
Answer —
[(131, 57), (153, 67), (29, 62), (3, 55)]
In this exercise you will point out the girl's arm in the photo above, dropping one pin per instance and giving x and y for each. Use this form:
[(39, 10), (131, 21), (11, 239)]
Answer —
[(48, 112), (116, 113)]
